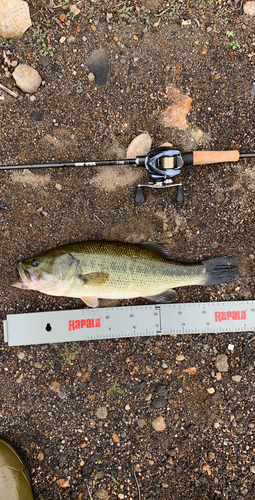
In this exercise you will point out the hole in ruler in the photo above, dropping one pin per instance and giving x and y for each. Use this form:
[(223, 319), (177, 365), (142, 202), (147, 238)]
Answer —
[(48, 327)]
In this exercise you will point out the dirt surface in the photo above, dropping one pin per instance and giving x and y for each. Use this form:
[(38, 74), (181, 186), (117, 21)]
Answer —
[(83, 413)]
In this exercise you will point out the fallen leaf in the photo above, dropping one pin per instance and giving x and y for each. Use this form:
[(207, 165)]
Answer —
[(207, 469), (204, 50), (192, 370), (63, 483), (62, 17)]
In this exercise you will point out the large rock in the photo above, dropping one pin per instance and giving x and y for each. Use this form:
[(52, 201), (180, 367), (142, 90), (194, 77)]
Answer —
[(140, 146), (27, 78), (249, 9), (175, 114), (14, 18)]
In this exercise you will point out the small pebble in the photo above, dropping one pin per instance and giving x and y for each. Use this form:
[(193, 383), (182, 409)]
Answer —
[(159, 424), (141, 423), (102, 412), (211, 390), (91, 77), (74, 10), (180, 357), (221, 363), (236, 378), (169, 371), (21, 355)]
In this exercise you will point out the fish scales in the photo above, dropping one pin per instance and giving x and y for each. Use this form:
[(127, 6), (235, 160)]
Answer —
[(132, 270), (116, 270)]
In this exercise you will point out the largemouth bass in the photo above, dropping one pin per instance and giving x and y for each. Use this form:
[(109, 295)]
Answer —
[(114, 270)]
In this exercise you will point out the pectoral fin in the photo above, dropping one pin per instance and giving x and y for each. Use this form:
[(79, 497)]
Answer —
[(94, 278), (90, 301), (165, 297)]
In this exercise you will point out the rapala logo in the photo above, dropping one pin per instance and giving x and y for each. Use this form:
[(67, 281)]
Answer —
[(224, 316), (76, 324)]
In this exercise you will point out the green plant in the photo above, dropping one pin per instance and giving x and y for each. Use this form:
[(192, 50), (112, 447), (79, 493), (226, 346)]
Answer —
[(5, 43), (115, 388), (115, 483), (70, 15), (205, 496), (234, 44), (124, 12), (69, 353), (173, 12), (206, 381), (40, 36), (46, 49), (201, 4)]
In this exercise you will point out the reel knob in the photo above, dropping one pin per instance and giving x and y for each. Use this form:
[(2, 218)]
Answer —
[(180, 194), (139, 196)]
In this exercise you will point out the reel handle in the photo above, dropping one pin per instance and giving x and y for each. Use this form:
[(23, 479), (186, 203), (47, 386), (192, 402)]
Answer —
[(139, 195)]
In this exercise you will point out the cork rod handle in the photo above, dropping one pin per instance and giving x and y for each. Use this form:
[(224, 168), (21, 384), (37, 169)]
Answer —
[(207, 157)]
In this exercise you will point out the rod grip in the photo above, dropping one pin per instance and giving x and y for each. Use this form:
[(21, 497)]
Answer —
[(207, 157)]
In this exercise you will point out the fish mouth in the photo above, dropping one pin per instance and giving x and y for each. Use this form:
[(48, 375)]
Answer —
[(27, 278)]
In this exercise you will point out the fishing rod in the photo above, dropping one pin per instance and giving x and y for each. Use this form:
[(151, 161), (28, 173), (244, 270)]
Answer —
[(162, 165)]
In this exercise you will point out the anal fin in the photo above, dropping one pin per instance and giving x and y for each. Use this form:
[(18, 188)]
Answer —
[(166, 297)]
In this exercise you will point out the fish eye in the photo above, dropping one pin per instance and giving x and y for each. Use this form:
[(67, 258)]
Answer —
[(35, 262)]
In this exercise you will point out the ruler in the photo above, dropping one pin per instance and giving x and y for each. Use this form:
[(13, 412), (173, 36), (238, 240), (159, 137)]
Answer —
[(131, 321)]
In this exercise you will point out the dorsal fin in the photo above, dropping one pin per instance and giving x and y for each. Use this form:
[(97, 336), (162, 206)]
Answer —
[(158, 248)]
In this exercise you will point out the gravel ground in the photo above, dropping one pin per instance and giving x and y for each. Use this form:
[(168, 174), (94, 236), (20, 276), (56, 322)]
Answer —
[(136, 418)]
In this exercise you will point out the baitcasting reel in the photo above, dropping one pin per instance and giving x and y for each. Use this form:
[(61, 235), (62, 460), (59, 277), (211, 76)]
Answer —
[(162, 164)]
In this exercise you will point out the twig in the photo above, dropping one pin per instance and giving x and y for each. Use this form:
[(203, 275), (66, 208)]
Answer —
[(163, 11), (58, 22), (247, 344), (138, 487), (98, 219), (89, 491), (14, 94)]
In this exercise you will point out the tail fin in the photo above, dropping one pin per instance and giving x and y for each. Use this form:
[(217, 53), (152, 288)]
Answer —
[(220, 270)]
